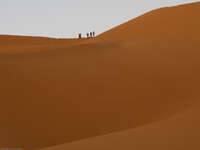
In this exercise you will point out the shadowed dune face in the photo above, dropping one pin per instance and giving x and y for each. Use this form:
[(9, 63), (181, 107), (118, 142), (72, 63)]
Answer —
[(180, 132), (56, 91)]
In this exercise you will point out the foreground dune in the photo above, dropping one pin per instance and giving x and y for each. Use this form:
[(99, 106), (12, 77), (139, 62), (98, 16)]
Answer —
[(136, 77), (180, 132)]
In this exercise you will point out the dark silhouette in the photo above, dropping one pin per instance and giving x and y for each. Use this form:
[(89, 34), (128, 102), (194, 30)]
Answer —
[(87, 35), (93, 34), (79, 36)]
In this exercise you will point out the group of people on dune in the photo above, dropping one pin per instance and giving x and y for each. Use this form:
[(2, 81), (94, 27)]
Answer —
[(89, 35)]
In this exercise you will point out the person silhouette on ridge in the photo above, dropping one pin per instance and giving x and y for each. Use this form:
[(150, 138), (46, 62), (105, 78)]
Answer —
[(79, 36), (93, 33), (87, 35)]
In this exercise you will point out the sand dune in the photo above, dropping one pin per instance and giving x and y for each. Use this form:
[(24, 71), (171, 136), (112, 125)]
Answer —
[(23, 44), (180, 132), (135, 77), (180, 21)]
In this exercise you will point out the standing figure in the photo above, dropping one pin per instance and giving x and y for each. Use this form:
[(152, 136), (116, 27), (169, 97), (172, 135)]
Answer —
[(87, 35), (79, 36), (93, 33)]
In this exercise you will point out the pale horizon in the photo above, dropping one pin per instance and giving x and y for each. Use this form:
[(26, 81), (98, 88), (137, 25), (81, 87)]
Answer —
[(61, 19)]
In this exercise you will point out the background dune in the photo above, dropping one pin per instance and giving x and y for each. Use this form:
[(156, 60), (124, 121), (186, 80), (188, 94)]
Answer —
[(56, 91)]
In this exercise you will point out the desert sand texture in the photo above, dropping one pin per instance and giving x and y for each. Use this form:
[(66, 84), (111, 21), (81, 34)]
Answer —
[(133, 87)]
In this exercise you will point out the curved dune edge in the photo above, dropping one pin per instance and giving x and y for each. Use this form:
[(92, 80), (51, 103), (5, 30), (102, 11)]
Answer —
[(180, 132), (169, 22), (140, 72), (25, 45), (177, 133)]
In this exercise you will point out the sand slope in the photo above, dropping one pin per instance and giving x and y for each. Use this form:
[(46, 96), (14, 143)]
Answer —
[(23, 44), (180, 21), (181, 132), (58, 91)]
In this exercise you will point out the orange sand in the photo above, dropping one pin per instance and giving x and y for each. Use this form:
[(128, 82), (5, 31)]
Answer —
[(140, 79)]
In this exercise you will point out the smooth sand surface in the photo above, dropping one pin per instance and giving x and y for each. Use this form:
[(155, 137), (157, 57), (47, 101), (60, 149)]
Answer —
[(140, 79), (180, 132)]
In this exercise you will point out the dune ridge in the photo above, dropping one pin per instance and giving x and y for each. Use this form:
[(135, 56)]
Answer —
[(56, 91)]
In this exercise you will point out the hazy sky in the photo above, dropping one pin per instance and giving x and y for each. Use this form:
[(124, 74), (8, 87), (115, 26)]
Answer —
[(66, 18)]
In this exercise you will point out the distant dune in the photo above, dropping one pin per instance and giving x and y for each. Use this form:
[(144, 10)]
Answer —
[(133, 87)]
